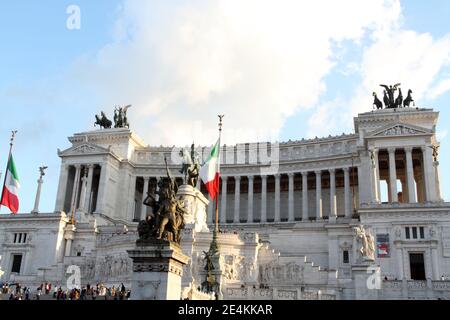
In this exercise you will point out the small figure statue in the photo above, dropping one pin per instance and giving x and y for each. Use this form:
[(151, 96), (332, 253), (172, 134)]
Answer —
[(385, 99), (191, 166), (435, 152), (367, 243), (42, 171), (390, 92), (376, 102), (409, 99), (120, 117), (102, 121)]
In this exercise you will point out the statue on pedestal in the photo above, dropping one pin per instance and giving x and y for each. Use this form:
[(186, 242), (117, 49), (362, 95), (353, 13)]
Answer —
[(191, 166), (166, 221)]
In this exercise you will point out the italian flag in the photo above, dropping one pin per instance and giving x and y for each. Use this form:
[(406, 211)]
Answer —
[(10, 194), (210, 171)]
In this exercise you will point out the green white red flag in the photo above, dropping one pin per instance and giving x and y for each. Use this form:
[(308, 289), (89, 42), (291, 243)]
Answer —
[(210, 171), (10, 193)]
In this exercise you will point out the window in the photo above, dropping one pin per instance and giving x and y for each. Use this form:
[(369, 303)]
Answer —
[(414, 232), (20, 237), (345, 257), (16, 263)]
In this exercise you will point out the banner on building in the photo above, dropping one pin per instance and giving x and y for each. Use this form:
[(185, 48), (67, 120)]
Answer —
[(383, 245)]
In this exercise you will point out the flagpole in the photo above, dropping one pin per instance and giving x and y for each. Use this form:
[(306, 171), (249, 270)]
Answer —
[(11, 143), (216, 227)]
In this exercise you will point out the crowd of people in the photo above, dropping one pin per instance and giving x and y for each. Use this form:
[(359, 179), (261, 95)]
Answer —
[(15, 291)]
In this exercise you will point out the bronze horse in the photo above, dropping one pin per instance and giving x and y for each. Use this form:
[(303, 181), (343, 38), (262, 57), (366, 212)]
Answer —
[(103, 122)]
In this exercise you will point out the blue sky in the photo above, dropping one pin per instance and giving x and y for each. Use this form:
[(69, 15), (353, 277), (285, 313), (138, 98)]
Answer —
[(270, 65)]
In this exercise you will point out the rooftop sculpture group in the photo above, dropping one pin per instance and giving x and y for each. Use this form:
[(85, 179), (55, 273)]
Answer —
[(389, 100), (120, 118)]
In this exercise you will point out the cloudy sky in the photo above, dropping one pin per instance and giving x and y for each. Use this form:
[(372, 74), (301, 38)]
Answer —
[(279, 70)]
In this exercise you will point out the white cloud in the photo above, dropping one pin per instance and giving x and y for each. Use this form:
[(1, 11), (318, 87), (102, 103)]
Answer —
[(258, 62), (396, 56)]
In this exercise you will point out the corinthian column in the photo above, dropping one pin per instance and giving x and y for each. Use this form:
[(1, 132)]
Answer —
[(223, 202), (392, 175), (305, 215), (87, 201), (250, 199), (318, 195), (277, 198), (144, 195), (333, 213), (410, 175), (291, 197), (348, 212), (263, 198), (237, 199)]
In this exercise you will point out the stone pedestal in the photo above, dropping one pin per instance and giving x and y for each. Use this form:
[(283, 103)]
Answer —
[(157, 270), (195, 204)]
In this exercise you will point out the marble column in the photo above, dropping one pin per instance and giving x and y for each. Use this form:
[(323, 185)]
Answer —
[(437, 181), (87, 201), (263, 198), (250, 199), (376, 177), (144, 195), (305, 215), (131, 199), (429, 174), (76, 183), (277, 198), (104, 176), (237, 199), (410, 175), (347, 202), (318, 194), (291, 216), (223, 200), (392, 175), (40, 181), (62, 187), (333, 209)]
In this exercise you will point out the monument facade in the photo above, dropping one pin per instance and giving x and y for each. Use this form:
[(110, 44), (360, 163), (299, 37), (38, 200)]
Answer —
[(352, 216)]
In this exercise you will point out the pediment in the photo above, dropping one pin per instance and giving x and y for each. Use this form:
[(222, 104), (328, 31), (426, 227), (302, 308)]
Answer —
[(82, 149), (399, 129)]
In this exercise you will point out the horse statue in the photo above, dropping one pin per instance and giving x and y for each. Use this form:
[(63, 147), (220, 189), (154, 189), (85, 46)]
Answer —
[(409, 99), (399, 99), (376, 102), (102, 121), (167, 219)]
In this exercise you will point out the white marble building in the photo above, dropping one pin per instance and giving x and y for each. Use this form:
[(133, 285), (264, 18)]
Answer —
[(289, 211)]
